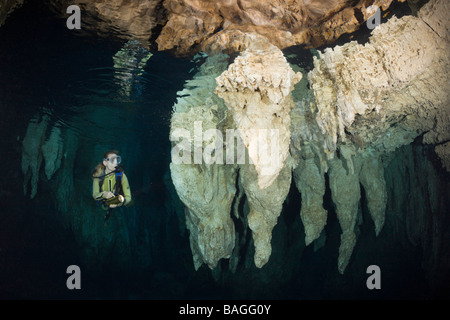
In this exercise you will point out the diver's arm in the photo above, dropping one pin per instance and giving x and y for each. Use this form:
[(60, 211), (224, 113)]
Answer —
[(126, 190)]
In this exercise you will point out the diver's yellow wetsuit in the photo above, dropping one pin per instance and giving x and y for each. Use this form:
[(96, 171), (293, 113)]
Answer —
[(109, 184)]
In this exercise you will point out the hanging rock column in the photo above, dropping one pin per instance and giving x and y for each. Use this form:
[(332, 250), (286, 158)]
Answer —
[(257, 88)]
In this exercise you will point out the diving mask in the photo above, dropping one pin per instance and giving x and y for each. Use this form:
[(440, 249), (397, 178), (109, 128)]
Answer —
[(114, 159)]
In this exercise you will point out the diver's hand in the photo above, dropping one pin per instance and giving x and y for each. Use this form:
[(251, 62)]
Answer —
[(121, 198), (108, 194)]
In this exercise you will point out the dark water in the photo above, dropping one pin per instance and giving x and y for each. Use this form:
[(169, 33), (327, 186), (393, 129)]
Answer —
[(49, 71)]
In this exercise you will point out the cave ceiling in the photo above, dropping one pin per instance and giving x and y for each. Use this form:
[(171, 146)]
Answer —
[(188, 26)]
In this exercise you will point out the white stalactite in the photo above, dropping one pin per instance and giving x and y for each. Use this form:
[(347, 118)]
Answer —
[(257, 90)]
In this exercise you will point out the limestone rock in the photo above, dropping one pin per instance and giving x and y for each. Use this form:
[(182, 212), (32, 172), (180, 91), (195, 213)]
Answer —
[(125, 19), (188, 27), (384, 94), (310, 181), (345, 194), (31, 152), (208, 219), (371, 177), (36, 148), (443, 151), (189, 22), (221, 26), (368, 101), (8, 6), (265, 208), (53, 150), (206, 187), (256, 89), (365, 102), (434, 14), (310, 163)]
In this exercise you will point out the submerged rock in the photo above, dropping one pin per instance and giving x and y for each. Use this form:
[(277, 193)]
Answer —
[(310, 181), (257, 89), (384, 94), (364, 102), (52, 151), (204, 184), (265, 207), (32, 154)]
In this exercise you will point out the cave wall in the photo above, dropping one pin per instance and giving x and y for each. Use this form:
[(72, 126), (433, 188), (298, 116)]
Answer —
[(7, 7)]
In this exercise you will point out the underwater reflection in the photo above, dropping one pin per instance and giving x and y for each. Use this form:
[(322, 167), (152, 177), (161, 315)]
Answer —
[(129, 63)]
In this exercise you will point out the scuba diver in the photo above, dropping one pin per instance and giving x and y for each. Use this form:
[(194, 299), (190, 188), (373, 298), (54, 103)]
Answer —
[(110, 184)]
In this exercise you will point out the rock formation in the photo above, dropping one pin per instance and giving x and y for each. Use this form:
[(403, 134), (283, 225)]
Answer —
[(6, 7), (31, 152), (257, 91), (188, 26), (52, 151), (36, 148), (222, 25), (365, 101), (443, 151), (130, 20), (345, 193), (374, 98), (310, 181), (265, 207), (257, 96), (386, 93), (206, 187), (371, 178)]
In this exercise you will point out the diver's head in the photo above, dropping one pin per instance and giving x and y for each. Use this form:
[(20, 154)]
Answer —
[(111, 160)]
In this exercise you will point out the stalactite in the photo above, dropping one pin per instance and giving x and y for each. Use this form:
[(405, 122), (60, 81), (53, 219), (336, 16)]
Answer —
[(310, 181), (257, 89), (358, 110), (265, 208), (371, 177), (345, 193), (207, 188), (32, 154), (52, 151)]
